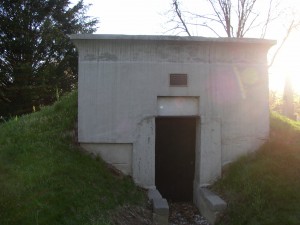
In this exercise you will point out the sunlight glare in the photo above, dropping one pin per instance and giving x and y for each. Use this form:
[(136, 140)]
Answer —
[(287, 63)]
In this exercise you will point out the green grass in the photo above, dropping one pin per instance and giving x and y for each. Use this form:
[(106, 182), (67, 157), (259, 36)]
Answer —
[(45, 179), (284, 130), (264, 188)]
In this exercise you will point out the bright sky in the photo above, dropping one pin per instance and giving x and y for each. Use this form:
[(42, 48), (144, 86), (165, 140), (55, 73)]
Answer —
[(148, 17), (129, 16)]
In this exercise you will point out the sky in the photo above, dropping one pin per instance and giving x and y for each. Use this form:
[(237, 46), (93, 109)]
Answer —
[(144, 17), (129, 16)]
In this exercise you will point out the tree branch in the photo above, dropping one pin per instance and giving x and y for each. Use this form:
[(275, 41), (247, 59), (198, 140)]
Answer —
[(291, 27), (264, 29), (206, 26), (178, 12), (218, 14)]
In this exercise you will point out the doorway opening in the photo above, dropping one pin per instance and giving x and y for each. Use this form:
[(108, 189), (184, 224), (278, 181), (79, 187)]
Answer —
[(175, 157)]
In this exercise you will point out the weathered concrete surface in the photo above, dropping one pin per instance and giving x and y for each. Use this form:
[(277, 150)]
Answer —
[(153, 194), (143, 156), (211, 206), (160, 207), (118, 155), (177, 106), (122, 80)]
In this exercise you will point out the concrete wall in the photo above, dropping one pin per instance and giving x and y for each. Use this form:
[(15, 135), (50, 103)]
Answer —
[(118, 155), (121, 79)]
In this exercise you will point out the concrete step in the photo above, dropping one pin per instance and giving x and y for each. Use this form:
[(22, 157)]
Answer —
[(160, 207), (210, 205)]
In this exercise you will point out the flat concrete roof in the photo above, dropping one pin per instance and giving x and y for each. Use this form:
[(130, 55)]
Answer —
[(171, 38)]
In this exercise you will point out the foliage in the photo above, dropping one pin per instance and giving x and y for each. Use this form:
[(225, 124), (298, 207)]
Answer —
[(284, 130), (297, 104), (276, 103), (45, 179), (263, 188), (288, 99), (37, 58)]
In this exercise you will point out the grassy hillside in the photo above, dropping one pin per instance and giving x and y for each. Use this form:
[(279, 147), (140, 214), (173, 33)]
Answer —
[(263, 188), (44, 179)]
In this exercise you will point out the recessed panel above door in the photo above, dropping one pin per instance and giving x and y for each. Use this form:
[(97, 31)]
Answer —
[(177, 106)]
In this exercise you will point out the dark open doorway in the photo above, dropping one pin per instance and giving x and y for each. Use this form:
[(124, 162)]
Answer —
[(175, 157)]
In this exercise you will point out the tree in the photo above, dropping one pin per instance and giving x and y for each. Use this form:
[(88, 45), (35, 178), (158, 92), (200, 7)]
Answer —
[(230, 18), (275, 101), (238, 19), (37, 59), (288, 99)]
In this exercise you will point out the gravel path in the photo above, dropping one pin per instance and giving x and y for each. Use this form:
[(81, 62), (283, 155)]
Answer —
[(180, 214), (185, 214)]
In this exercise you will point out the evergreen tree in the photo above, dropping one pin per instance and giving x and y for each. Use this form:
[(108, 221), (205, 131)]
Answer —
[(37, 58)]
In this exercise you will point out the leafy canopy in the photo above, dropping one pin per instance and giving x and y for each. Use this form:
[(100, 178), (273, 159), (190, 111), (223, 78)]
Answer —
[(37, 59)]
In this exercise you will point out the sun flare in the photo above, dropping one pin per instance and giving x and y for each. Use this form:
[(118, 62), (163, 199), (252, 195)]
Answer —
[(278, 77), (287, 64)]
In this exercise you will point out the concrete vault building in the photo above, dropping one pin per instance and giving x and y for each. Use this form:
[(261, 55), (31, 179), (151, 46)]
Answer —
[(171, 111)]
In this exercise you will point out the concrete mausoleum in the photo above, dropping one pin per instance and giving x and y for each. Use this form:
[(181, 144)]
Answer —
[(172, 111)]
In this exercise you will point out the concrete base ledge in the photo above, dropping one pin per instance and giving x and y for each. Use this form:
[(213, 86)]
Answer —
[(160, 207), (153, 193), (210, 205)]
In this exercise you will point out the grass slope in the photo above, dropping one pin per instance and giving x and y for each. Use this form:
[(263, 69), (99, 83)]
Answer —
[(263, 188), (44, 179)]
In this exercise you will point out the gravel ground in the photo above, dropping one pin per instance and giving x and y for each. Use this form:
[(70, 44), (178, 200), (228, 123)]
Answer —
[(180, 214), (185, 213), (132, 215)]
